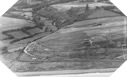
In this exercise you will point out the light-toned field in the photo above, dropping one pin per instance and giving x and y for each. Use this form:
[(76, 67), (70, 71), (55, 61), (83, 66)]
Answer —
[(7, 23), (67, 6)]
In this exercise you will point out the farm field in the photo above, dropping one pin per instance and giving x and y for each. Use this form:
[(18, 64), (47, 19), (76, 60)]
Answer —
[(44, 39)]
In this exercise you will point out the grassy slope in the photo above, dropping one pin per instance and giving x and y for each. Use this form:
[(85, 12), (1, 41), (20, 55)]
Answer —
[(20, 62), (70, 60)]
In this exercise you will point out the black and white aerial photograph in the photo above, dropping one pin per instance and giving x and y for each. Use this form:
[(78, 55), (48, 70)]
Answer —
[(50, 37)]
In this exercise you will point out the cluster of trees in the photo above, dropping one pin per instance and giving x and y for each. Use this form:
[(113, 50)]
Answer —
[(59, 18)]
